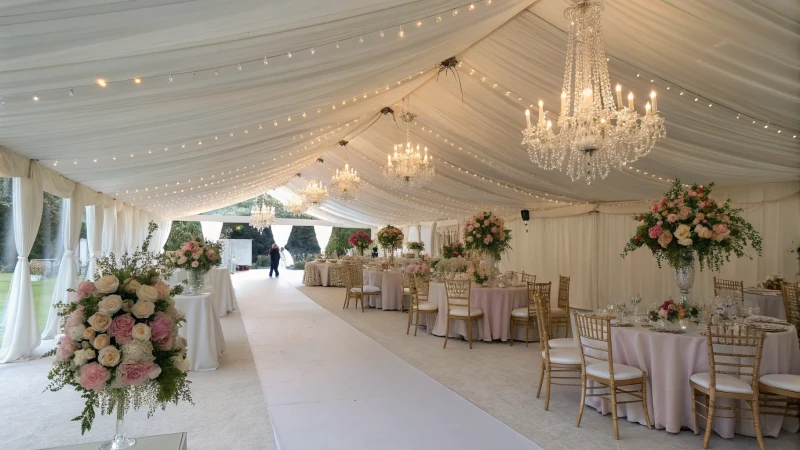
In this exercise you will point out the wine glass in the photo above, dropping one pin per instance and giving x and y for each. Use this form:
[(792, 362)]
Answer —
[(635, 300)]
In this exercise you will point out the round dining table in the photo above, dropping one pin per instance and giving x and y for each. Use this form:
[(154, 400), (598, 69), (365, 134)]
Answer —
[(496, 304), (671, 359), (202, 331), (391, 284), (769, 301)]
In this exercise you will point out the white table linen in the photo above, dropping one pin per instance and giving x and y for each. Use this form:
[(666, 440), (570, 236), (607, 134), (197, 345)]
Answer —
[(202, 331), (218, 280), (670, 360), (769, 302), (391, 285)]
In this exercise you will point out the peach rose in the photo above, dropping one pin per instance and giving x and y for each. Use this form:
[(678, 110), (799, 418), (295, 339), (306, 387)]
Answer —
[(100, 321)]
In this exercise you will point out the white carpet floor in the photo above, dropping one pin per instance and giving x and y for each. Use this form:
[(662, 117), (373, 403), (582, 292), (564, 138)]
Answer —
[(502, 381), (330, 387), (229, 410)]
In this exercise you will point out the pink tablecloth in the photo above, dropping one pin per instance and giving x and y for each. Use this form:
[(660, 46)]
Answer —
[(496, 304), (670, 360), (770, 303), (391, 284)]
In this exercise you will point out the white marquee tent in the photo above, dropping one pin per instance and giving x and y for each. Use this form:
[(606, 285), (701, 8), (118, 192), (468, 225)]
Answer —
[(209, 103)]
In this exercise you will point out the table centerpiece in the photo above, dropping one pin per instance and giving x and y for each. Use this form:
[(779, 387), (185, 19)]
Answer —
[(453, 250), (773, 282), (486, 234), (361, 241), (416, 247), (196, 257), (686, 222), (673, 312), (390, 238), (121, 349)]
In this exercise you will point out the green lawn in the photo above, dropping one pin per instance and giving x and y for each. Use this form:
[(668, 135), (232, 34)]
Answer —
[(42, 295)]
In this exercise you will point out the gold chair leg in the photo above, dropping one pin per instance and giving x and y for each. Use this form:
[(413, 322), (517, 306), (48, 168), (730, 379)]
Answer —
[(541, 379), (469, 332), (694, 412), (583, 400), (446, 331), (408, 328), (644, 402), (614, 411), (527, 331), (547, 394), (710, 413), (362, 302), (417, 326), (512, 331), (757, 423)]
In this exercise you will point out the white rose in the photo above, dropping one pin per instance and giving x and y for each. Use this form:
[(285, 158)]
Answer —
[(181, 363), (107, 284), (110, 304), (109, 356), (141, 331), (182, 260), (83, 356), (143, 309), (100, 321), (127, 305), (130, 285), (179, 343), (89, 334), (684, 235), (76, 332), (147, 293), (102, 340), (138, 351)]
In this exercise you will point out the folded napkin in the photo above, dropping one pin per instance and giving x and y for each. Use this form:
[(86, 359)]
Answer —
[(755, 318)]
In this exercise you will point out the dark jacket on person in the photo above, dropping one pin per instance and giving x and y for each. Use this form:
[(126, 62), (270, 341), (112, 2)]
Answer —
[(275, 254)]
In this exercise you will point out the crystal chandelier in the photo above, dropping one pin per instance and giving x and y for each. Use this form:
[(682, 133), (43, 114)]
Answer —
[(261, 215), (408, 167), (591, 133), (345, 183), (297, 204), (315, 192)]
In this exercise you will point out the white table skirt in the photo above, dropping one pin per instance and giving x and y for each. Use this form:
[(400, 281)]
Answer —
[(770, 302), (202, 331), (391, 285), (218, 280)]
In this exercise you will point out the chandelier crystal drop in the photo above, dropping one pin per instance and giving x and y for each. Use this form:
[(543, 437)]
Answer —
[(345, 182), (592, 134), (407, 167), (315, 191), (262, 216)]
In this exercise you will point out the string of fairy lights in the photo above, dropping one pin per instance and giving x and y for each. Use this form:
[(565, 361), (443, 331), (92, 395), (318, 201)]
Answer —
[(260, 61)]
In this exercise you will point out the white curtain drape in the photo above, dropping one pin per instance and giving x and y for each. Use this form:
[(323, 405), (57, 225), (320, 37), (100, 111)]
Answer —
[(109, 237), (72, 217), (21, 334), (281, 233), (428, 237), (211, 230), (161, 235), (587, 247), (323, 236), (95, 215)]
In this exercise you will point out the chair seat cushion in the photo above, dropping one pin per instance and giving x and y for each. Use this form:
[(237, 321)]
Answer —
[(782, 381), (564, 355), (621, 371), (521, 313), (367, 289), (562, 343), (461, 311), (406, 290), (556, 312), (725, 383), (428, 306)]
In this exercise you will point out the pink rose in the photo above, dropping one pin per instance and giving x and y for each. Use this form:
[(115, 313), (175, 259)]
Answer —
[(121, 328), (93, 376), (65, 349), (672, 218), (692, 194), (161, 330), (85, 289), (701, 204), (502, 237), (724, 218), (659, 223), (654, 208), (211, 254), (469, 239), (722, 230), (186, 246), (655, 232), (494, 229), (195, 264), (163, 289), (684, 212), (477, 235), (76, 318), (132, 373)]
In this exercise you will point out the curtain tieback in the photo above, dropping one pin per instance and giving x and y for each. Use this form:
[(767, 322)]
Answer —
[(19, 258), (69, 252)]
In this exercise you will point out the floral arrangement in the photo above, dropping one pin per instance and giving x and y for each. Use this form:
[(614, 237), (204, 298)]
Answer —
[(773, 282), (419, 270), (689, 218), (452, 265), (486, 233), (480, 274), (390, 237), (416, 246), (360, 240), (121, 347), (196, 254), (453, 250), (674, 312)]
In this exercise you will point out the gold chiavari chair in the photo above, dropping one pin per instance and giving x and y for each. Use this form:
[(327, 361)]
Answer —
[(408, 289), (559, 316), (734, 353), (734, 287), (418, 306), (791, 303), (779, 395), (564, 362), (527, 277), (594, 333), (525, 316), (458, 306), (356, 287)]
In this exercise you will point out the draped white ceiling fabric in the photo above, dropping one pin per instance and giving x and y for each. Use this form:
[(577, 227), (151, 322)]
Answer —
[(197, 132)]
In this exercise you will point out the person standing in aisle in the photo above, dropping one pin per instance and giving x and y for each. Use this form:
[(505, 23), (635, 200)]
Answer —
[(274, 259)]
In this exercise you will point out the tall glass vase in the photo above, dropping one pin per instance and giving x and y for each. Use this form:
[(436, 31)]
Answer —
[(491, 265), (684, 273), (120, 441), (196, 281)]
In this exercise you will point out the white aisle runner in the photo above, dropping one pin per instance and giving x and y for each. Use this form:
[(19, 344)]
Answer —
[(328, 386)]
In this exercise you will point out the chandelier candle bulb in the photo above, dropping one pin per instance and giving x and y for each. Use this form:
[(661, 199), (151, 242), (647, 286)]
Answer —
[(647, 108), (630, 101), (563, 103), (653, 101), (541, 113), (528, 117), (619, 96)]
